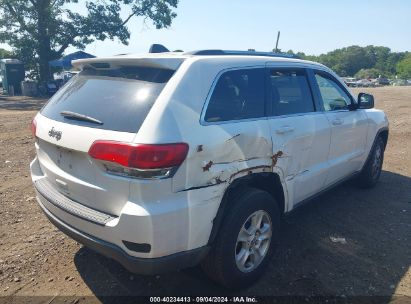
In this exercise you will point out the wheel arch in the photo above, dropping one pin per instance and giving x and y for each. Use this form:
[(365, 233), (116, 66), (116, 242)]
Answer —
[(266, 181), (383, 133)]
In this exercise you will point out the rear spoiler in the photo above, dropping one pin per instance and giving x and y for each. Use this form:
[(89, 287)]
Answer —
[(115, 62)]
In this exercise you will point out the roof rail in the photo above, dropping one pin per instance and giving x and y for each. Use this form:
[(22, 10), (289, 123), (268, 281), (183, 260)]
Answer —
[(240, 53)]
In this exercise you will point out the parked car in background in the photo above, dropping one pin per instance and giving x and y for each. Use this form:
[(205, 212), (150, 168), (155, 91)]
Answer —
[(399, 82), (364, 83), (163, 161), (383, 81), (61, 78), (48, 88), (68, 75), (350, 81)]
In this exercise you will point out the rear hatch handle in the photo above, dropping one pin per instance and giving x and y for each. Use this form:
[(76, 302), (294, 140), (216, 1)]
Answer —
[(78, 116)]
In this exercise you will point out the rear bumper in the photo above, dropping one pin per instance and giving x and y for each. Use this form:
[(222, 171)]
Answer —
[(149, 235), (147, 266)]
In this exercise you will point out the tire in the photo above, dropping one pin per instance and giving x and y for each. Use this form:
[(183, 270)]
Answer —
[(247, 206), (372, 170)]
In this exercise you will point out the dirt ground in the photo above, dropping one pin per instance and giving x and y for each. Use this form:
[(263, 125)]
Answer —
[(37, 259)]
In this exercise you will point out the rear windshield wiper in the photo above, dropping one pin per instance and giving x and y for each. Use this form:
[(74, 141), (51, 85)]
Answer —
[(74, 115)]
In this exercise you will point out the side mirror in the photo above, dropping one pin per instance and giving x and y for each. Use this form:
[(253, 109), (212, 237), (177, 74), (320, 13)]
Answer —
[(365, 101)]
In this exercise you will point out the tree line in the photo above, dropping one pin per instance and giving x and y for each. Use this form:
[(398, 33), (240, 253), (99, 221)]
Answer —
[(364, 62), (353, 61)]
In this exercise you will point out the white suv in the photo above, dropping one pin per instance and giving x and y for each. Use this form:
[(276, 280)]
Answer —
[(163, 161)]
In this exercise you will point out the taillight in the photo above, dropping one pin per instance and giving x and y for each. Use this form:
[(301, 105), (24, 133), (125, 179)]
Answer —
[(157, 159), (33, 127)]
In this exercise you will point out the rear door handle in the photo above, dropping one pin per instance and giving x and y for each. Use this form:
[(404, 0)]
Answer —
[(337, 122), (285, 129)]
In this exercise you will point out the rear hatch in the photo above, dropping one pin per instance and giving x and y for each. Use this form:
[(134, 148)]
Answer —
[(105, 101)]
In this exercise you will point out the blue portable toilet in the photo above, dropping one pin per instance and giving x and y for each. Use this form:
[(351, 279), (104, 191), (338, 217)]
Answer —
[(12, 71)]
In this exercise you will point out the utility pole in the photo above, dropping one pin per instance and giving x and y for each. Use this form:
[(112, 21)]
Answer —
[(276, 44)]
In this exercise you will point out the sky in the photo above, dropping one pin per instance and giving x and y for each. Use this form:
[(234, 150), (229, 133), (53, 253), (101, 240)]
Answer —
[(311, 26)]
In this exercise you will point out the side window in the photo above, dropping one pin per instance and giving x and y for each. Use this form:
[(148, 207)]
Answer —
[(333, 96), (238, 94), (290, 92)]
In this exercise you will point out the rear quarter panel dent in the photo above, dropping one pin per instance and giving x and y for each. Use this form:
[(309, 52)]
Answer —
[(224, 155)]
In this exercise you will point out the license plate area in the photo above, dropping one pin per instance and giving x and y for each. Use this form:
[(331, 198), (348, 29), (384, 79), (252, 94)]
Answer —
[(64, 158)]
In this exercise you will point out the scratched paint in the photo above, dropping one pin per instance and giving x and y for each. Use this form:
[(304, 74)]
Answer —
[(275, 157), (208, 166)]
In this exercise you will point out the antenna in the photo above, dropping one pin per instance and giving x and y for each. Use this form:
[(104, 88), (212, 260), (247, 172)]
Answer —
[(276, 44)]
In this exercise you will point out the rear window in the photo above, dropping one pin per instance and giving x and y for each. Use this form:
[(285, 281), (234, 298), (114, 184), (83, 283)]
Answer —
[(119, 99)]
